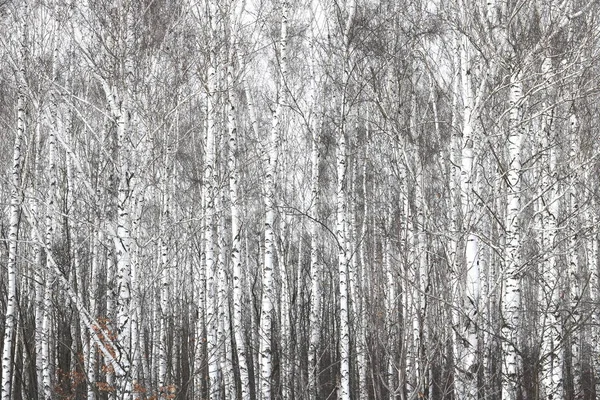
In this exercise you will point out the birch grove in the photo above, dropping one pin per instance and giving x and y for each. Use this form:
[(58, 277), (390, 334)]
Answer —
[(315, 199)]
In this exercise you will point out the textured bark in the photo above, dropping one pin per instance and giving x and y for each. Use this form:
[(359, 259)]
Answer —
[(469, 276), (164, 288), (574, 322), (343, 392), (594, 290), (224, 320), (120, 103), (361, 329), (91, 357), (390, 311), (51, 227), (511, 296), (417, 268), (552, 354), (39, 272), (268, 289), (454, 203), (344, 388), (313, 127), (315, 269), (236, 244), (285, 306), (11, 315), (209, 193)]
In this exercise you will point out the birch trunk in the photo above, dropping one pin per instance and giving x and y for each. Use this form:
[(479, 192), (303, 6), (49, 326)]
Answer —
[(91, 356), (111, 297), (12, 315), (122, 250), (209, 210), (51, 211), (39, 272), (574, 281), (236, 259), (164, 317), (120, 106), (315, 270), (344, 388), (135, 305), (511, 301), (361, 339), (552, 355), (164, 245), (390, 308), (352, 262), (592, 253), (406, 372), (589, 354), (268, 268), (313, 128), (341, 216), (454, 202), (223, 328), (467, 355), (285, 323), (266, 317), (419, 238)]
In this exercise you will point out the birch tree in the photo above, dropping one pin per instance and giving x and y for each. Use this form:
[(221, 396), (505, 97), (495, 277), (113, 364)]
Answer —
[(271, 159), (16, 196), (341, 213)]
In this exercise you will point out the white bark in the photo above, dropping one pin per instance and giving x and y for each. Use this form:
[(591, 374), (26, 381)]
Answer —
[(313, 128), (467, 357), (209, 193), (136, 306), (39, 273), (122, 243), (223, 327), (315, 269), (91, 357), (111, 305), (552, 354), (11, 315), (590, 339), (164, 296), (49, 238), (511, 301), (390, 307), (165, 271), (454, 170), (15, 203), (268, 267), (344, 388), (407, 372), (592, 254), (343, 392), (266, 317), (285, 322), (236, 259), (574, 280), (454, 202), (120, 102), (420, 271), (361, 342)]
